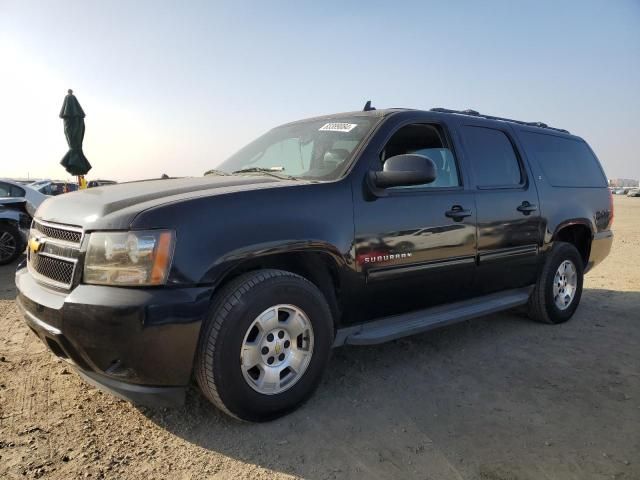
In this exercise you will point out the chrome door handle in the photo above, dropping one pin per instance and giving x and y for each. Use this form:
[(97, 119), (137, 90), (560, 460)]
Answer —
[(526, 208), (457, 213)]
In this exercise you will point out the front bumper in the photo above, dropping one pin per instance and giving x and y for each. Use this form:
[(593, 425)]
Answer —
[(138, 343)]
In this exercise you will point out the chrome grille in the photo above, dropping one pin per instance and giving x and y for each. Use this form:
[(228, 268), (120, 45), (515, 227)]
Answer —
[(64, 233), (53, 253), (55, 269)]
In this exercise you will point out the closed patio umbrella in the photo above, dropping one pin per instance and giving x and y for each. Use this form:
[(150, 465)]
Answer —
[(74, 160)]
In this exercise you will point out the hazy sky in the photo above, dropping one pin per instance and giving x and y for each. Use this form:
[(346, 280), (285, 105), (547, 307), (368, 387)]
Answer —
[(176, 87)]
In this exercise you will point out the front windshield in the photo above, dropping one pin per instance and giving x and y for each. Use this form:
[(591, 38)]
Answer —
[(318, 149)]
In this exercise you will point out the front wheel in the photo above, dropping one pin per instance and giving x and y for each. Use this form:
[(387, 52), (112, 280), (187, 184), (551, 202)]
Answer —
[(265, 345), (557, 293)]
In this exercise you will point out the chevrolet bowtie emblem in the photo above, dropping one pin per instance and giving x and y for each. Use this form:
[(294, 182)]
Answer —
[(35, 245)]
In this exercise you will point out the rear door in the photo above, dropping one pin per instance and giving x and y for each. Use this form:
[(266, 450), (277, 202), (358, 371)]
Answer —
[(509, 224), (415, 246)]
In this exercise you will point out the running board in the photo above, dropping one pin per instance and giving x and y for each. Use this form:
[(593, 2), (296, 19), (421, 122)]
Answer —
[(398, 326)]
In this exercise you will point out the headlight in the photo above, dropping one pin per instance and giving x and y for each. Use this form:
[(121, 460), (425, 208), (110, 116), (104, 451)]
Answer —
[(129, 258)]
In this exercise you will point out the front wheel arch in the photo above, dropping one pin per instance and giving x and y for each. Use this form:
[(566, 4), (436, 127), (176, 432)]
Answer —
[(320, 267)]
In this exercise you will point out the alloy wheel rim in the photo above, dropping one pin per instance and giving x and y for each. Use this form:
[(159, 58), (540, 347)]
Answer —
[(7, 245), (277, 349), (565, 284)]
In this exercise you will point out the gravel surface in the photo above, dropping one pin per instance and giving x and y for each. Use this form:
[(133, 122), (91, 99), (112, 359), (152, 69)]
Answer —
[(497, 398)]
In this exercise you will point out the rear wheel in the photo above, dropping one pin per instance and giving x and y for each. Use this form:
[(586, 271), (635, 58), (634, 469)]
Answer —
[(11, 244), (559, 288), (265, 344)]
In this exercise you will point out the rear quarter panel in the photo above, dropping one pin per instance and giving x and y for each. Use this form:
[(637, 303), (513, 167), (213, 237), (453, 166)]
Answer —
[(564, 206)]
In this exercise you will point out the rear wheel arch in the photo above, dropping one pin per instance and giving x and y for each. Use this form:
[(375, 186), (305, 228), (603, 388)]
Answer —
[(10, 221), (579, 234)]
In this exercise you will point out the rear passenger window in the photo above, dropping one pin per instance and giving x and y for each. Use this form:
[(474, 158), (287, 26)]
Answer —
[(492, 157), (566, 162)]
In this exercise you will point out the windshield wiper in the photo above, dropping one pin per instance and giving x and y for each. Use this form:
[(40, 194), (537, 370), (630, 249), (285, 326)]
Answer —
[(266, 171), (215, 172)]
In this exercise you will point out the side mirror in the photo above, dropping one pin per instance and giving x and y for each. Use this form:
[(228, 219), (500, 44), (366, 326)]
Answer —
[(405, 170)]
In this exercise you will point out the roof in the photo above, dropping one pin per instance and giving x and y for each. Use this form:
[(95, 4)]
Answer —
[(441, 111), (473, 113), (359, 113)]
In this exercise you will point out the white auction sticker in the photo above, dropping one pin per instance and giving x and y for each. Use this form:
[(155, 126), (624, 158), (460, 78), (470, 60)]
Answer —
[(338, 127)]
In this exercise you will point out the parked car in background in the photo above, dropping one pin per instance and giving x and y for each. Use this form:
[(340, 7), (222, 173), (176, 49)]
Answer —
[(54, 187), (634, 192), (100, 183), (618, 191), (18, 204), (25, 181)]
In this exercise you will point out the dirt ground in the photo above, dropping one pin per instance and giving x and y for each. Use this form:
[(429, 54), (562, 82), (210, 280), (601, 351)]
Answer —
[(497, 398)]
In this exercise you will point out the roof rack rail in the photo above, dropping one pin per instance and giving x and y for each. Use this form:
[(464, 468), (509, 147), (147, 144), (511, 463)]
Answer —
[(474, 113)]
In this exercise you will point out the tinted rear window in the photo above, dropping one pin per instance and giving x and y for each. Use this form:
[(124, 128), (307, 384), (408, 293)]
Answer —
[(566, 162)]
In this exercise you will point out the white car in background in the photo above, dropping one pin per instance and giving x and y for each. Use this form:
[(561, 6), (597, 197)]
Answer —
[(54, 187), (18, 204)]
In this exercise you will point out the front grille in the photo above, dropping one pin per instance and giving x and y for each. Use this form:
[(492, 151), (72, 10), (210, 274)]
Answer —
[(53, 253), (56, 269), (68, 234)]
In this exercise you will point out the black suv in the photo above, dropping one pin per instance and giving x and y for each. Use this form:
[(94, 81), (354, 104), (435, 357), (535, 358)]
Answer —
[(355, 228)]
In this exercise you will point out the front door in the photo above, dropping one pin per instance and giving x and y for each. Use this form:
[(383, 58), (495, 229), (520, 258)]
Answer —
[(415, 246)]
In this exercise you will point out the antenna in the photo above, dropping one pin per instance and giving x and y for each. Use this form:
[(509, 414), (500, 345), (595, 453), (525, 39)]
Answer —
[(368, 107)]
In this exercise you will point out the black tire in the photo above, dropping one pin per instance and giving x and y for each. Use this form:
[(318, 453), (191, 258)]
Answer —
[(218, 370), (542, 307), (15, 239)]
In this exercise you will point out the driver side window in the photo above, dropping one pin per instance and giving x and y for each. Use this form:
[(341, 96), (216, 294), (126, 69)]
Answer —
[(427, 140)]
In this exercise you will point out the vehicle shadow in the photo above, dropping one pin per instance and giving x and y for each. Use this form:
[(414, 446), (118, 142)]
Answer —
[(483, 399)]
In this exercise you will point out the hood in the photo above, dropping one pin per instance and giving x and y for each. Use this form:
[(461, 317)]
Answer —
[(115, 206)]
